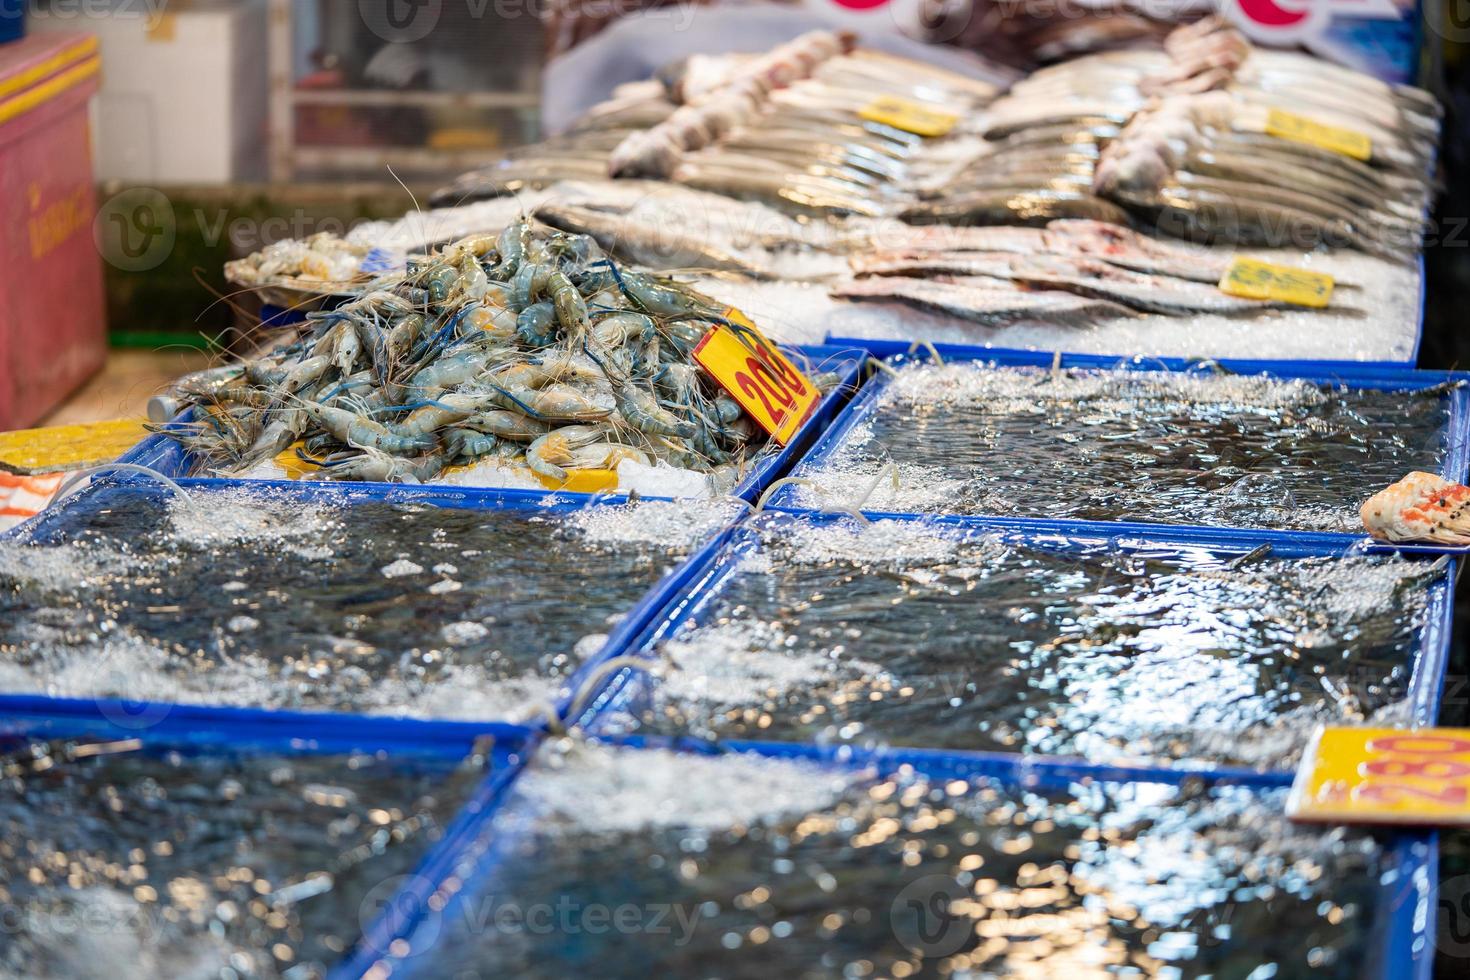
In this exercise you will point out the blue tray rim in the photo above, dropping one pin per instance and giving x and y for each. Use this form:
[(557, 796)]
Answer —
[(1455, 467), (161, 453), (1427, 665)]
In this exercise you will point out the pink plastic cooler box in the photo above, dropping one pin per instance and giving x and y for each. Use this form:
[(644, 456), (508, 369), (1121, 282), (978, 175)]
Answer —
[(53, 333)]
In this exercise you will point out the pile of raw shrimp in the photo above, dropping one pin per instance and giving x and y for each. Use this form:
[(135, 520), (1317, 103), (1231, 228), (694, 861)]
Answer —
[(528, 347)]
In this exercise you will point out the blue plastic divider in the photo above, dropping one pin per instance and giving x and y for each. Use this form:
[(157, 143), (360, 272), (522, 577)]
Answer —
[(1286, 367), (623, 687), (414, 898), (1457, 437), (165, 455), (1402, 947), (38, 716)]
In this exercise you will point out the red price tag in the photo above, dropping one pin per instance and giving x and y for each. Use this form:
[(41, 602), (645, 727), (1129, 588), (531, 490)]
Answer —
[(758, 376)]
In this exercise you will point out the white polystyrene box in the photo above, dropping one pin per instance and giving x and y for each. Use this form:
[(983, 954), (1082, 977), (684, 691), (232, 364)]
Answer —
[(184, 94)]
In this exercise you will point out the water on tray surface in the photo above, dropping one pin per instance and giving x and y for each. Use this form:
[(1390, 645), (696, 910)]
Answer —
[(897, 633), (737, 867), (115, 863), (1222, 450), (373, 607)]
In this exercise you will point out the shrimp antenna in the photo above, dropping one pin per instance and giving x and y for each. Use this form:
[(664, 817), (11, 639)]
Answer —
[(423, 221), (617, 376)]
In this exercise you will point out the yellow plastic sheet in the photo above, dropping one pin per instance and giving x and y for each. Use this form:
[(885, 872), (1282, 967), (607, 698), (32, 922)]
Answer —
[(58, 448)]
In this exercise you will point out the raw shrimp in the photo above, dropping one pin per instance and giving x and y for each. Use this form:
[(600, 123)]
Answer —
[(550, 453)]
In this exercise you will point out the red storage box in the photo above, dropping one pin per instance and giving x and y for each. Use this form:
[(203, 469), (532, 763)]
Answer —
[(53, 334)]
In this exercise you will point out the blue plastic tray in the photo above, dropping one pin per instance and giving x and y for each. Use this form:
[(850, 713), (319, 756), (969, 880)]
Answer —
[(1406, 944), (507, 749), (1402, 944), (626, 687), (163, 454), (1350, 374), (143, 714)]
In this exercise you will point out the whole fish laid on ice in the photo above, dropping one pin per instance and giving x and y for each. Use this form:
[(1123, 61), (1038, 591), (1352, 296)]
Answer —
[(1072, 274), (1003, 121), (939, 237), (1306, 180), (919, 263), (792, 193), (656, 246), (992, 304), (1110, 243), (1023, 208), (1070, 133), (1147, 294), (1128, 249), (1420, 507), (1365, 225), (1201, 215), (500, 181)]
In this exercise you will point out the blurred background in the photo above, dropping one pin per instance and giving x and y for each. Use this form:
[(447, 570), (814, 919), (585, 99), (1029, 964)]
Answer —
[(219, 126)]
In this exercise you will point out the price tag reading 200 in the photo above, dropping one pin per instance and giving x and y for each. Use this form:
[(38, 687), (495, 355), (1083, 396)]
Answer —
[(1384, 775), (758, 376)]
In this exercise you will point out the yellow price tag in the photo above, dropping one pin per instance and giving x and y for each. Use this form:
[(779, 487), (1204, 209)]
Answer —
[(1302, 129), (68, 447), (1254, 279), (1384, 775), (909, 116), (758, 376)]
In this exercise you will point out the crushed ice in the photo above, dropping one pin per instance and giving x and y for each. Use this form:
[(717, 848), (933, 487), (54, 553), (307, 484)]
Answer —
[(1020, 390), (733, 664), (885, 542), (681, 524), (61, 568), (600, 789), (239, 517), (858, 475)]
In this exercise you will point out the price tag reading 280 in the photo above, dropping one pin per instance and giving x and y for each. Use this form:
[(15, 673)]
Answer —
[(758, 376), (1385, 775)]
